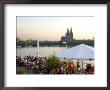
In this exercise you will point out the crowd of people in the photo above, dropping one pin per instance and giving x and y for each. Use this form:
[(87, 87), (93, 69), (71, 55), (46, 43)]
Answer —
[(37, 65)]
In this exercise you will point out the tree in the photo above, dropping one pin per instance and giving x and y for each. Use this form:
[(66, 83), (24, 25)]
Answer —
[(53, 62)]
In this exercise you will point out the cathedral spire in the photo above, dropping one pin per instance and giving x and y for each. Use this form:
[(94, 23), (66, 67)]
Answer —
[(67, 34), (71, 33), (71, 29)]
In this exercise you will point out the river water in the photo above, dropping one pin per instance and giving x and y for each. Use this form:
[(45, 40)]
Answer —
[(43, 51)]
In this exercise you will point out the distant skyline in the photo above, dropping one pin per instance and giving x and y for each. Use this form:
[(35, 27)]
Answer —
[(52, 28)]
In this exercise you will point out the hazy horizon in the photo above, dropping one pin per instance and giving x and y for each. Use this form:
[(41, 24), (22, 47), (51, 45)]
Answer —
[(52, 28)]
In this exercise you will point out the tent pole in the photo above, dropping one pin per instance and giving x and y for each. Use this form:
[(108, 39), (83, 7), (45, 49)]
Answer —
[(82, 66)]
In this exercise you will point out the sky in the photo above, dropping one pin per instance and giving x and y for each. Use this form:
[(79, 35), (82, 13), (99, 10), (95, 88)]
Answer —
[(52, 28)]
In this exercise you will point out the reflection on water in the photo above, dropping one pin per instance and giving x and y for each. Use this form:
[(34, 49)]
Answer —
[(44, 51)]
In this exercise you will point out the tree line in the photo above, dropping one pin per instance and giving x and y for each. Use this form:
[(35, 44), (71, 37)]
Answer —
[(33, 43)]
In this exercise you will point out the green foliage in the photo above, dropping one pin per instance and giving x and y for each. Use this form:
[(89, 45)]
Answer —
[(21, 70), (53, 62), (63, 62)]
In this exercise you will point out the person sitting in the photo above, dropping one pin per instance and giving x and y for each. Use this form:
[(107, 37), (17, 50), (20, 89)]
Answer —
[(88, 69)]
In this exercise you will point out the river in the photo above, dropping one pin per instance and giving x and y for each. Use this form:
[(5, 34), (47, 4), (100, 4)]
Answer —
[(43, 51)]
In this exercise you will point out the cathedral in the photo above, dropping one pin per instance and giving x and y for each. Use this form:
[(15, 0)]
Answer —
[(68, 36)]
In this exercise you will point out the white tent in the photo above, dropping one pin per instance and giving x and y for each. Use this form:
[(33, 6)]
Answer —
[(81, 51)]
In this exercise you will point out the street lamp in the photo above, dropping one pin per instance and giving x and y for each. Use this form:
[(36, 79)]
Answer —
[(38, 48)]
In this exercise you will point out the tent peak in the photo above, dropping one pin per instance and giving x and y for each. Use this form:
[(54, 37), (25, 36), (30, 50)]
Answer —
[(79, 51)]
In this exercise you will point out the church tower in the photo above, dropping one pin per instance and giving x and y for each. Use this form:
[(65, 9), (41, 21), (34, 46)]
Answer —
[(68, 36), (71, 33), (67, 33)]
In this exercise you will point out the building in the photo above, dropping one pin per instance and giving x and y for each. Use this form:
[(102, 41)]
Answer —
[(68, 36)]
